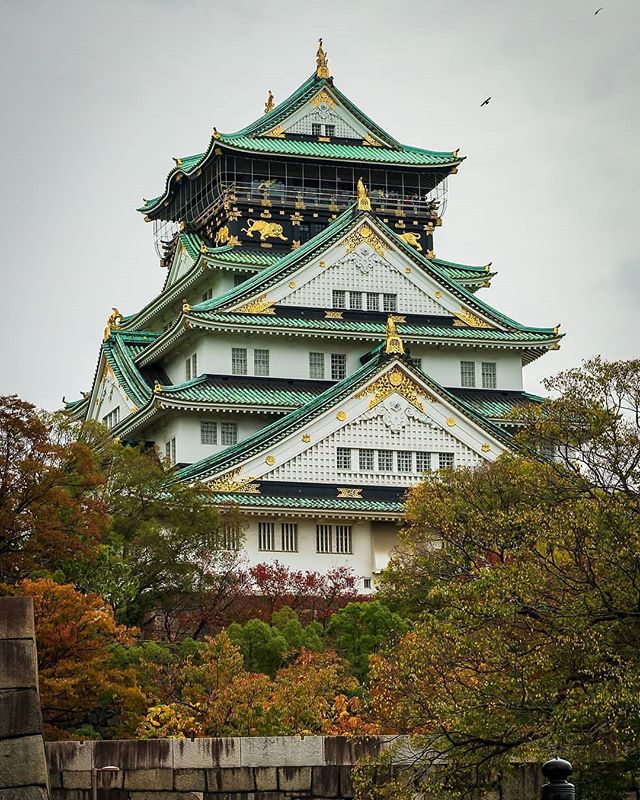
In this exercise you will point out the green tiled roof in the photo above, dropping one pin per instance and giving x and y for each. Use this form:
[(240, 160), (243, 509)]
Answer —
[(321, 503), (281, 427), (493, 403), (120, 350), (259, 392), (341, 326)]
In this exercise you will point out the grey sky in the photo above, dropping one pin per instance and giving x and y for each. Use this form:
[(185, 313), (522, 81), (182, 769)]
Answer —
[(98, 96)]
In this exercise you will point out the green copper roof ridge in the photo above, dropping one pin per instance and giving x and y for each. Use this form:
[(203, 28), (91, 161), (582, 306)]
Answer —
[(268, 121), (472, 299), (481, 269), (125, 370)]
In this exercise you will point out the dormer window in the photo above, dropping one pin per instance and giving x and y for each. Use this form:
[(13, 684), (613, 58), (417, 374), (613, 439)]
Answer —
[(318, 129)]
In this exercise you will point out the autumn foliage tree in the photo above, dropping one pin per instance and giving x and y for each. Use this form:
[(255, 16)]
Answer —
[(523, 577), (49, 511)]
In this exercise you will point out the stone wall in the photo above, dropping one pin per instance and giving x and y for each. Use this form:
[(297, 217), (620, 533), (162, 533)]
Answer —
[(211, 769), (23, 766)]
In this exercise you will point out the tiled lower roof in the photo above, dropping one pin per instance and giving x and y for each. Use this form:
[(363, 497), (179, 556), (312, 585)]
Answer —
[(493, 403), (246, 391), (320, 503)]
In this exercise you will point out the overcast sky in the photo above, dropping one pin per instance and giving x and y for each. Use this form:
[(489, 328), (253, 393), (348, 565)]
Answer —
[(98, 96)]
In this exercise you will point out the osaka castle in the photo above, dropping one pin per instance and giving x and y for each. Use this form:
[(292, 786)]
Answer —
[(311, 353)]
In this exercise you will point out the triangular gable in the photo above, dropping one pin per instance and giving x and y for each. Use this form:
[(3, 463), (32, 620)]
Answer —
[(386, 401), (365, 258), (108, 394)]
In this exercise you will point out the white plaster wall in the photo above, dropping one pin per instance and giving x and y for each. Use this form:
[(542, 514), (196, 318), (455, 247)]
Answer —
[(443, 364), (307, 557), (109, 397)]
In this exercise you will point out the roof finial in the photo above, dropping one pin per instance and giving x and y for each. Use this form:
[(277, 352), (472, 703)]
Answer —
[(322, 65), (114, 320), (268, 106), (394, 342), (364, 203)]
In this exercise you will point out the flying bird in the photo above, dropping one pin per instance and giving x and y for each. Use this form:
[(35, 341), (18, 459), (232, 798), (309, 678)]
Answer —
[(485, 103), (598, 11)]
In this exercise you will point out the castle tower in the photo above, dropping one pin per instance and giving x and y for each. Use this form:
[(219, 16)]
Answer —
[(309, 356)]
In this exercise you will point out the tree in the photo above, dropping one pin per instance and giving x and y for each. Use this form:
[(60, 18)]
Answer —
[(360, 629), (524, 579), (80, 688), (49, 512)]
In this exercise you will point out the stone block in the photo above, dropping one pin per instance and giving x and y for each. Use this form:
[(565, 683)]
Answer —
[(19, 713), (161, 795), (16, 618), (148, 779), (294, 779), (325, 781), (69, 755), (71, 794), (232, 780), (24, 792), (346, 782), (134, 754), (189, 779), (18, 664), (282, 751), (343, 751), (266, 779), (206, 753), (22, 762), (78, 779)]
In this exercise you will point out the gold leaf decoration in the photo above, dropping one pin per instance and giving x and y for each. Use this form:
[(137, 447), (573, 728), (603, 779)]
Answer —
[(485, 448), (470, 319), (395, 382), (348, 491), (341, 415), (233, 482), (261, 305), (276, 133), (333, 314), (323, 97), (270, 460), (365, 234)]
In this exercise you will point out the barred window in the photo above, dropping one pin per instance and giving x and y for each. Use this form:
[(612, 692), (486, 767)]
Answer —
[(289, 537), (405, 461), (266, 536), (112, 418), (385, 460), (229, 538), (208, 432), (191, 366), (355, 300), (316, 366), (339, 298), (489, 378), (389, 302), (343, 539), (260, 362), (228, 433), (324, 537), (366, 459), (338, 366), (366, 582), (170, 450), (468, 374), (343, 458), (208, 295), (423, 462), (316, 129), (329, 130), (238, 360), (417, 362), (445, 460), (373, 301)]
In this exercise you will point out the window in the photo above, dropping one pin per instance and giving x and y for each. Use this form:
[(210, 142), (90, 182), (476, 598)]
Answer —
[(343, 458), (339, 298), (316, 366), (366, 582), (343, 539), (170, 450), (389, 302), (366, 459), (191, 367), (489, 380), (373, 301), (355, 300), (385, 460), (468, 373), (266, 536), (238, 361), (112, 418), (324, 535), (289, 536), (228, 433), (417, 362), (208, 433), (329, 130), (316, 129), (423, 462), (445, 460), (229, 538), (260, 362), (338, 366), (208, 295), (405, 461)]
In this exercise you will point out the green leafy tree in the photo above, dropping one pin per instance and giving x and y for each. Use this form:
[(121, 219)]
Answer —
[(360, 629), (524, 580)]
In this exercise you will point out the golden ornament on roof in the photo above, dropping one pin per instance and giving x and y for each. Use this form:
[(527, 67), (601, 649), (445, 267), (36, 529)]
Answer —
[(113, 322), (268, 106), (185, 307), (322, 65), (364, 203), (394, 342)]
